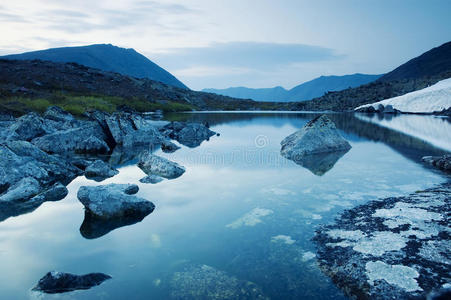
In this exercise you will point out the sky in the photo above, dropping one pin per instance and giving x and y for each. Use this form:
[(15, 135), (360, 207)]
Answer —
[(224, 43)]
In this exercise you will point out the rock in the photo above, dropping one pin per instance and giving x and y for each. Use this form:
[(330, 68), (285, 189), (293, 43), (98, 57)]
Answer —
[(367, 109), (389, 109), (155, 165), (395, 248), (16, 208), (58, 114), (92, 145), (380, 108), (58, 282), (22, 190), (112, 201), (205, 282), (440, 162), (28, 127), (99, 170), (188, 134), (318, 136), (320, 164), (169, 147), (73, 139), (151, 179), (20, 159)]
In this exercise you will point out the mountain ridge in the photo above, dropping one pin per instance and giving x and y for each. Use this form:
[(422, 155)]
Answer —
[(302, 92), (106, 57)]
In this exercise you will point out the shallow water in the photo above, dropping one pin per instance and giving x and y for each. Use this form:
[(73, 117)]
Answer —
[(240, 208)]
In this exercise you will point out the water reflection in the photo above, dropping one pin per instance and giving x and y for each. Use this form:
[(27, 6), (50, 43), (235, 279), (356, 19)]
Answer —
[(319, 164)]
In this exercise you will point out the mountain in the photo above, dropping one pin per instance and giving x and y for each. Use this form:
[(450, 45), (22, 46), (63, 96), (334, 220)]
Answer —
[(416, 74), (305, 91), (430, 63), (105, 57)]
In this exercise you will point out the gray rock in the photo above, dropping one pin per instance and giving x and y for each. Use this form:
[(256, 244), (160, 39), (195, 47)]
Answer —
[(58, 282), (440, 162), (318, 136), (22, 190), (28, 127), (169, 147), (92, 145), (151, 179), (112, 201), (388, 109), (188, 134), (380, 108), (58, 114), (99, 170), (73, 139), (155, 165)]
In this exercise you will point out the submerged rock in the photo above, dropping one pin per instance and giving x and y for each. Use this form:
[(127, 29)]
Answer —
[(151, 179), (440, 162), (99, 170), (205, 282), (114, 201), (188, 134), (318, 136), (319, 164), (391, 249), (155, 165), (169, 147), (59, 282)]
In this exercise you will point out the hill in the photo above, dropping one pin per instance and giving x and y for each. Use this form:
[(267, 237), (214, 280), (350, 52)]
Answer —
[(305, 91), (105, 57)]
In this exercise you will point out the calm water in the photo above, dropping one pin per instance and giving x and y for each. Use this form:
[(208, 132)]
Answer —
[(240, 208)]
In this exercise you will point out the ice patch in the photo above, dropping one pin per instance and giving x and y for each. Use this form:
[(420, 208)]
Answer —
[(380, 243), (252, 218), (283, 238), (399, 275), (353, 235), (308, 256)]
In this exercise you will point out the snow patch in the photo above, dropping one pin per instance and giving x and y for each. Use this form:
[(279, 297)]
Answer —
[(399, 275)]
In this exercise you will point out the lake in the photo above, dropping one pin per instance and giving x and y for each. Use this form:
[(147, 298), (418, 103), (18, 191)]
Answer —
[(241, 215)]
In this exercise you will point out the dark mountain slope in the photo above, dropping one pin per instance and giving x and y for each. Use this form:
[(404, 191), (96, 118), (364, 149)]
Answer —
[(105, 57), (430, 63)]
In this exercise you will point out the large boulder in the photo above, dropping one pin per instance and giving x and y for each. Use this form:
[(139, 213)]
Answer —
[(318, 136), (58, 114), (114, 201), (440, 162), (99, 170), (188, 134), (156, 165), (73, 139), (22, 190), (20, 160), (27, 127), (59, 282)]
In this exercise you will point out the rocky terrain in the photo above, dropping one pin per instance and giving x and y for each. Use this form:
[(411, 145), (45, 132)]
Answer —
[(58, 282), (391, 248)]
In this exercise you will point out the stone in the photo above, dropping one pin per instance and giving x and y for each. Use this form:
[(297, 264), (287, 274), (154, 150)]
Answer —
[(151, 179), (156, 165), (59, 282), (169, 147), (99, 170), (188, 134), (440, 162), (28, 127), (388, 109), (58, 114), (112, 201), (92, 145), (22, 190), (318, 136)]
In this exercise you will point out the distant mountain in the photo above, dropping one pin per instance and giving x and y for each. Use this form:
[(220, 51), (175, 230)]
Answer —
[(416, 74), (105, 57), (430, 63), (305, 91)]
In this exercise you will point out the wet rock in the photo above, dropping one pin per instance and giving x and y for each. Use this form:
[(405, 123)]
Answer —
[(151, 179), (22, 190), (188, 134), (113, 201), (27, 127), (390, 249), (205, 282), (93, 145), (155, 165), (440, 162), (367, 109), (73, 139), (59, 282), (169, 147), (388, 109), (99, 170), (318, 136)]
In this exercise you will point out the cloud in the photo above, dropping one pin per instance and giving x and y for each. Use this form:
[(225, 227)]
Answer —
[(251, 55)]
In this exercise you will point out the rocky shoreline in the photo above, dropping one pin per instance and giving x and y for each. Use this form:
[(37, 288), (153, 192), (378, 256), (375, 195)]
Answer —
[(395, 248)]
